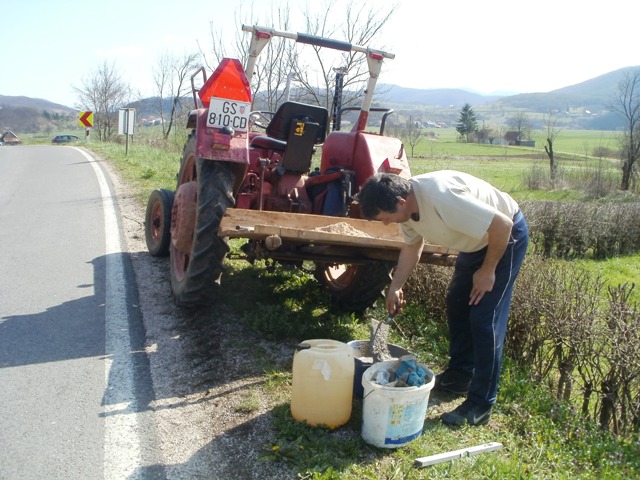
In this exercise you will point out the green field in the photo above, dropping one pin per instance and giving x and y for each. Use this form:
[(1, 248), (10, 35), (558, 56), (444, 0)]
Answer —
[(444, 141)]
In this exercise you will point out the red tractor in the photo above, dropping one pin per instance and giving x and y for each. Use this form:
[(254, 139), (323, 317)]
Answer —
[(258, 185)]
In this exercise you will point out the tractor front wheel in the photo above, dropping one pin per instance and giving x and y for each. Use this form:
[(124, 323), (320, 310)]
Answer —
[(197, 253)]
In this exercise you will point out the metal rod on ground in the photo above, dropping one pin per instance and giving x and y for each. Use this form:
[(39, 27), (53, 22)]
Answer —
[(455, 454)]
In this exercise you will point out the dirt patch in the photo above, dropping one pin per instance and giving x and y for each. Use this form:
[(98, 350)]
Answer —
[(343, 228)]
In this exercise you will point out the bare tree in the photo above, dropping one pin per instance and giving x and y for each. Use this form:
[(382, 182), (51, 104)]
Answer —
[(170, 76), (270, 77), (627, 104), (360, 25), (282, 61), (553, 130), (521, 124), (485, 134), (104, 93), (412, 134)]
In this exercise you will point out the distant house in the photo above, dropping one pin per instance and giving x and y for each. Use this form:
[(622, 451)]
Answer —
[(513, 138), (10, 138)]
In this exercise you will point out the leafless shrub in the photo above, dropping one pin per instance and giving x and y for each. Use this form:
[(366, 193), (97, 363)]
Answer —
[(586, 350), (537, 178), (604, 152), (618, 408), (427, 286), (577, 230), (550, 299), (595, 182)]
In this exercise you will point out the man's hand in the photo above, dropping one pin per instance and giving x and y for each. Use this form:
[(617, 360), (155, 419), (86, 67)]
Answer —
[(394, 301), (483, 281), (498, 238)]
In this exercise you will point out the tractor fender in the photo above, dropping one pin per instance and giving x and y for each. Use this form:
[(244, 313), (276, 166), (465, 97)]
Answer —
[(192, 119)]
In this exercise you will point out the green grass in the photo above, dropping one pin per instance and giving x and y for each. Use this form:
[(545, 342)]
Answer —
[(617, 271), (144, 167), (542, 439), (578, 143)]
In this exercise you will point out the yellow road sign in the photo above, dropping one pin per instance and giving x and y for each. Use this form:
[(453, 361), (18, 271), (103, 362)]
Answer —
[(86, 119)]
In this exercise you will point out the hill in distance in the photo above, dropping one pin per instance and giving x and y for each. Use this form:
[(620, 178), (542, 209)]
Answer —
[(442, 97), (595, 93), (35, 103), (20, 113)]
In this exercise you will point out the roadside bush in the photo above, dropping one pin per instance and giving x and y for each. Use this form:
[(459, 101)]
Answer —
[(605, 152), (537, 178), (594, 182), (427, 287), (585, 349), (578, 230)]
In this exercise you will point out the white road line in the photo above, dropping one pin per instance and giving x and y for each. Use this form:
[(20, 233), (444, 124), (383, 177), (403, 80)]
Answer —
[(121, 442)]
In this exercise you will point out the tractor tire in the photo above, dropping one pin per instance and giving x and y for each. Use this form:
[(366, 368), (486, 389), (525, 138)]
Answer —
[(354, 288), (157, 222), (195, 273)]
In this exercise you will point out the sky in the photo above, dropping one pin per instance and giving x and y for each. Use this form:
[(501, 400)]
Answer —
[(488, 46)]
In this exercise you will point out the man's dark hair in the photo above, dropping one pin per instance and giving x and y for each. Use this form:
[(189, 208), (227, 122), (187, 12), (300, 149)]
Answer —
[(380, 193)]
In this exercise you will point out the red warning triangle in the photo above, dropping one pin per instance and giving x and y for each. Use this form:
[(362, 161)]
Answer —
[(228, 81)]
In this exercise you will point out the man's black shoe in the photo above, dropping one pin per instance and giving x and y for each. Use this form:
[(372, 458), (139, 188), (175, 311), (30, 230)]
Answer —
[(467, 412), (453, 381)]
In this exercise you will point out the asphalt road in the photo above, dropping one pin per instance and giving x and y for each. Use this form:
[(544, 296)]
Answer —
[(75, 385)]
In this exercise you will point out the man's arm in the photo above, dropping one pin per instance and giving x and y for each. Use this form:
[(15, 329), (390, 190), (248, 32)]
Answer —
[(407, 260), (499, 232)]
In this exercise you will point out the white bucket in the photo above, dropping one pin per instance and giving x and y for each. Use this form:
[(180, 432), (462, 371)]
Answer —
[(393, 416)]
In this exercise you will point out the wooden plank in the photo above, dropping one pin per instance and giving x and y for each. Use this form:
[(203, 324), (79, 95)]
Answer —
[(249, 218), (455, 454), (320, 229)]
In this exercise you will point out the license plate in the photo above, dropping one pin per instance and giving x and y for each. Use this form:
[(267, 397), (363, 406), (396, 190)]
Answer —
[(228, 113)]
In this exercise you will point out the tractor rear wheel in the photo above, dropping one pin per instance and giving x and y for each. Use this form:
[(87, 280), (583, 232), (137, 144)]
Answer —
[(157, 222), (197, 253), (354, 288)]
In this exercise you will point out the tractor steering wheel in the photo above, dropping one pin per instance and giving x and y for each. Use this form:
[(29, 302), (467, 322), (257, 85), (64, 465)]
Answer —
[(260, 118)]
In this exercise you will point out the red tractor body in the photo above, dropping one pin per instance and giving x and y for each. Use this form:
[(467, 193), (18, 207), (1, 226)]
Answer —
[(228, 165)]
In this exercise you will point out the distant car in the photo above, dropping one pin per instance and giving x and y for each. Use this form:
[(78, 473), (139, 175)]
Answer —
[(65, 139)]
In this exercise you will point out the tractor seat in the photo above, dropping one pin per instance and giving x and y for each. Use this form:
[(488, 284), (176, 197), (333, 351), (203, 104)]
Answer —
[(295, 130), (268, 143)]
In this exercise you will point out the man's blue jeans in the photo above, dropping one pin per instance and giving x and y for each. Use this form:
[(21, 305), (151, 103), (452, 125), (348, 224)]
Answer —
[(477, 333)]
